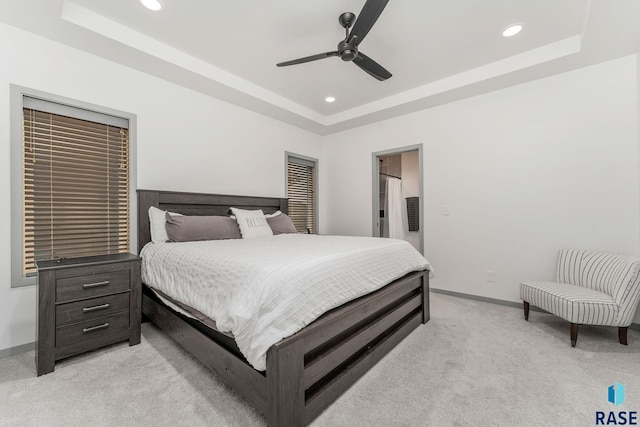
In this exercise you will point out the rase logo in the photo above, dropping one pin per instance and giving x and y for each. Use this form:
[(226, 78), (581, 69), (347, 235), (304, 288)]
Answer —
[(616, 394), (616, 397)]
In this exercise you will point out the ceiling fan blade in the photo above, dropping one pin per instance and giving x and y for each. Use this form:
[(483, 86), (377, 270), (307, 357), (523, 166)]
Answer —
[(371, 67), (307, 59), (368, 16)]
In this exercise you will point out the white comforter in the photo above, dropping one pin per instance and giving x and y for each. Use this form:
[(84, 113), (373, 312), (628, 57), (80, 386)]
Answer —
[(265, 289)]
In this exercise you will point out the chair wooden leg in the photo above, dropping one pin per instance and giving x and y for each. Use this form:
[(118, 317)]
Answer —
[(525, 306), (622, 335), (574, 334)]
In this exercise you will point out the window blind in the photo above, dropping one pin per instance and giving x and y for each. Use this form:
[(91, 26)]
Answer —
[(76, 186), (301, 192)]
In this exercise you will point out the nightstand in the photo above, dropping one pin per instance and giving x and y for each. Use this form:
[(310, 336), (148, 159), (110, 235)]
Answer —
[(86, 303)]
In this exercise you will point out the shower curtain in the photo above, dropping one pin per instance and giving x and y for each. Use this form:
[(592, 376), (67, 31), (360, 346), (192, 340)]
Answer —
[(394, 208)]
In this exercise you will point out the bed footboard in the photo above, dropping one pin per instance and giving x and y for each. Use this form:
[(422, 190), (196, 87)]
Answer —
[(309, 370)]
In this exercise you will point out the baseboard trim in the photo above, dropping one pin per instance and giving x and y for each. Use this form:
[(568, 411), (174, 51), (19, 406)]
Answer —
[(19, 349), (480, 298), (498, 301)]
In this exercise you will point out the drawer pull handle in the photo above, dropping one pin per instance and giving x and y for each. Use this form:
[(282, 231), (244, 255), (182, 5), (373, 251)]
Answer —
[(95, 285), (95, 328), (95, 308)]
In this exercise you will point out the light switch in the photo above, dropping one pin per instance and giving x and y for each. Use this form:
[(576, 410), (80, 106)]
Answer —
[(491, 276)]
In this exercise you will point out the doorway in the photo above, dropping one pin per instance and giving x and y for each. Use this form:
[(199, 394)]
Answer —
[(398, 195)]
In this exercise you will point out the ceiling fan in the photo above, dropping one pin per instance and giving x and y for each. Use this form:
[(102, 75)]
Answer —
[(348, 48)]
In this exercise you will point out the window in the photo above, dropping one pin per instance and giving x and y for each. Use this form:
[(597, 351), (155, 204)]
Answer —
[(74, 184), (301, 192)]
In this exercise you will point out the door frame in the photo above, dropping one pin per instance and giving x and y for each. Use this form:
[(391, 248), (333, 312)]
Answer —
[(375, 168)]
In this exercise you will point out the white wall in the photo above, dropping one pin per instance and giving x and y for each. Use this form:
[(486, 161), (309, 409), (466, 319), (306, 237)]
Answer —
[(523, 171), (186, 141)]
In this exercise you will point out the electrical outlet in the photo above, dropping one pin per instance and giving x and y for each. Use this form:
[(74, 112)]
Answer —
[(491, 276)]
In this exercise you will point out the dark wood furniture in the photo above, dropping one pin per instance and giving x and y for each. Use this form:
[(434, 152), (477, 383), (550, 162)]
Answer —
[(86, 303), (307, 371)]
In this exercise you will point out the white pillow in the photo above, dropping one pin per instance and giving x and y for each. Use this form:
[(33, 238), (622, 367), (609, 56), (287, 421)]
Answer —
[(252, 223), (157, 224)]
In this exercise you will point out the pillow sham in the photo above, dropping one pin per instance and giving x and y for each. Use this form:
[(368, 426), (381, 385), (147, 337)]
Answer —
[(192, 228), (281, 224), (157, 221), (252, 223)]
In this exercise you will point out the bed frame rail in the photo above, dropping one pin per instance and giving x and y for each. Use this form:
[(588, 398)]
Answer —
[(234, 371)]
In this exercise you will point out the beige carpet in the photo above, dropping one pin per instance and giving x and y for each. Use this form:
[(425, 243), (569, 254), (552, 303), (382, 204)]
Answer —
[(473, 364)]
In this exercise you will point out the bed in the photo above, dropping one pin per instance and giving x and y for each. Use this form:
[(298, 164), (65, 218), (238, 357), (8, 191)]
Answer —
[(308, 370)]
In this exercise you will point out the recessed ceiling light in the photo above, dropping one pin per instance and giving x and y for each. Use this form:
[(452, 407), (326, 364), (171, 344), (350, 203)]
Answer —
[(512, 30), (330, 99), (154, 5)]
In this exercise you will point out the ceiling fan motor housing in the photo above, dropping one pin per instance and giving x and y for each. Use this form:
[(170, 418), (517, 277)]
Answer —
[(347, 51)]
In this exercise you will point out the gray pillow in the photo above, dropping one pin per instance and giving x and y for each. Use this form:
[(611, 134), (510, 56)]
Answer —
[(191, 228), (281, 224)]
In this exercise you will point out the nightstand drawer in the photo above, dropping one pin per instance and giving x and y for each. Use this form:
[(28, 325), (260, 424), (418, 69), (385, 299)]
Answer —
[(80, 337), (92, 308), (74, 288)]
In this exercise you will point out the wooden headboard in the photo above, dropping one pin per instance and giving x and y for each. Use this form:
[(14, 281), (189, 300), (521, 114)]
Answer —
[(197, 204)]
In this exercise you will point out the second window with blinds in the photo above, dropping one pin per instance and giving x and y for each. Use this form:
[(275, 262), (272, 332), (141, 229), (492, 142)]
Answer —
[(302, 192)]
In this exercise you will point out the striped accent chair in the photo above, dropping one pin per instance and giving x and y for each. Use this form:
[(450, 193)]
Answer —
[(591, 288)]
